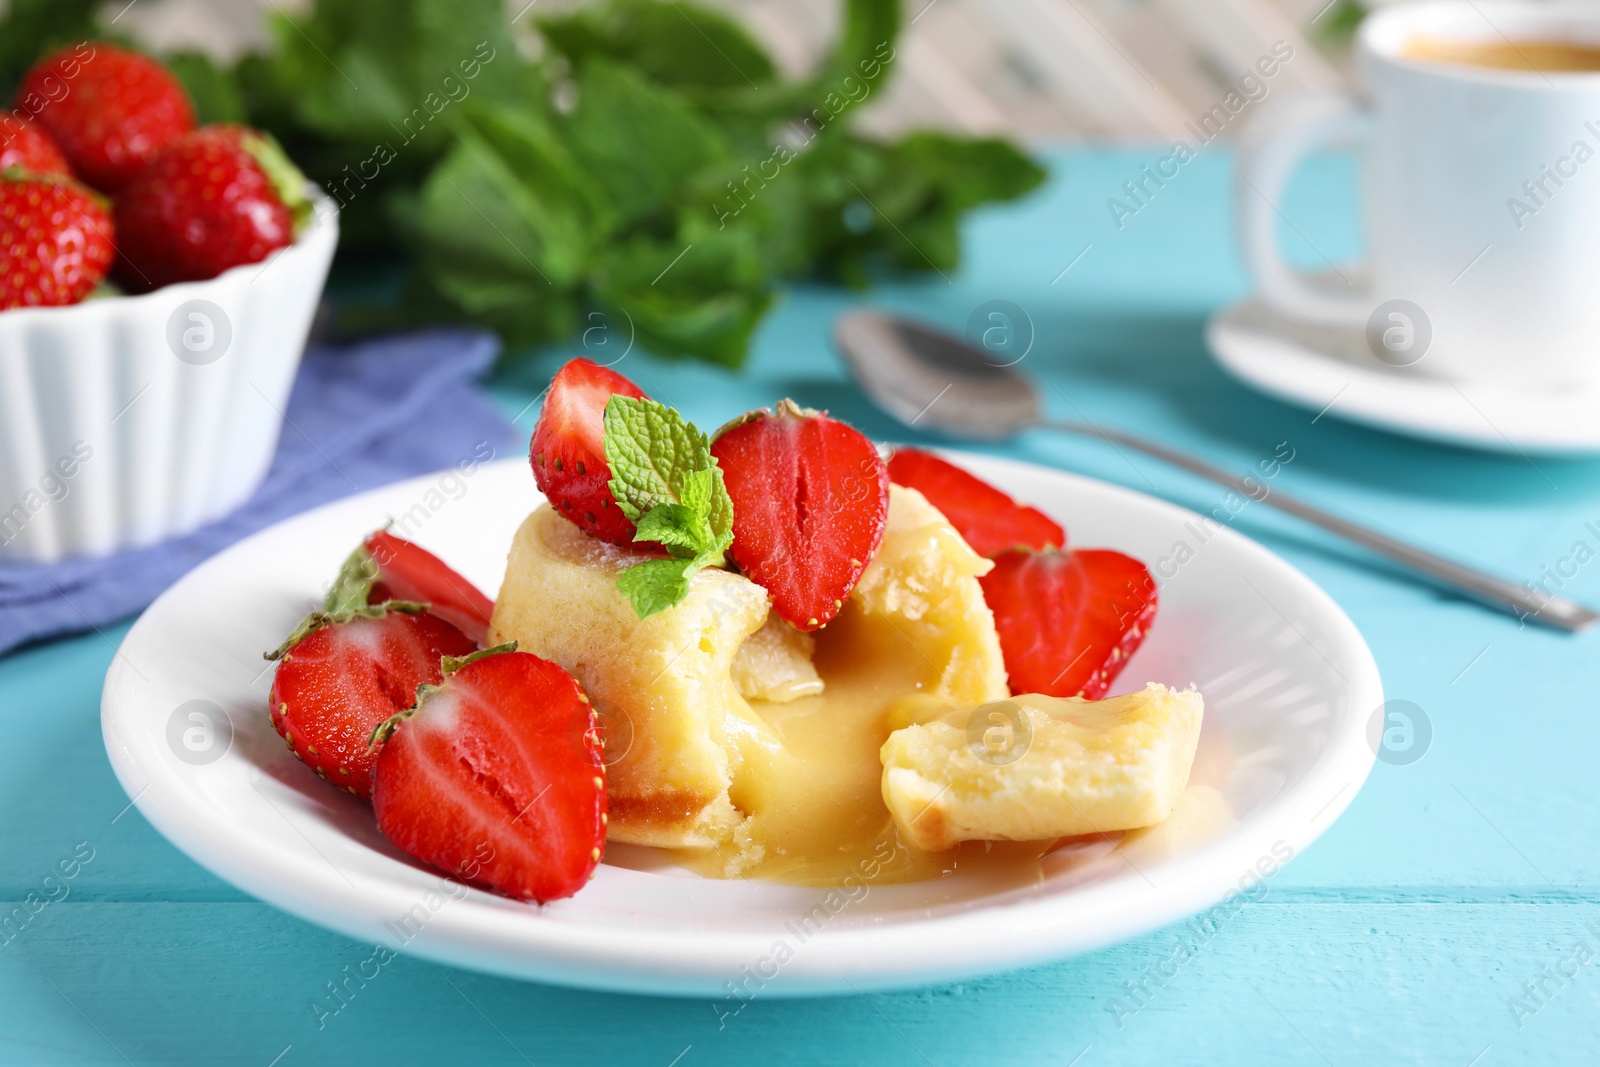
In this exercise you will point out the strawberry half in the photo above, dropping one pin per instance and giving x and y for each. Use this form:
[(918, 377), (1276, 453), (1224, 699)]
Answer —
[(810, 498), (568, 451), (408, 572), (343, 673), (1068, 621), (988, 519), (497, 777)]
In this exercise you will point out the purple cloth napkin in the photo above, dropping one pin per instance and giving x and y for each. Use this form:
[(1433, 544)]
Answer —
[(362, 416)]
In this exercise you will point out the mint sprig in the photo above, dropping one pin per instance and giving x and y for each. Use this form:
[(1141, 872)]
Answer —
[(664, 478)]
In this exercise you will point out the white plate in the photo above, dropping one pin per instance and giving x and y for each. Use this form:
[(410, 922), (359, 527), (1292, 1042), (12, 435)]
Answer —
[(1289, 687), (1329, 369)]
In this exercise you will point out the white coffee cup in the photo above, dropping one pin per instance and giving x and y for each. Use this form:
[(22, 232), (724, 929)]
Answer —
[(1481, 199)]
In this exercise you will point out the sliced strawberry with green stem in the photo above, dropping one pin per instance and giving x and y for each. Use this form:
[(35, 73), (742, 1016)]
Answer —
[(391, 568), (1068, 621), (342, 673), (810, 499), (497, 777)]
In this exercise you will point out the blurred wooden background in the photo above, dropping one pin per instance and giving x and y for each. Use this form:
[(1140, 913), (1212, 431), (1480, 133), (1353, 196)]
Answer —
[(1042, 70)]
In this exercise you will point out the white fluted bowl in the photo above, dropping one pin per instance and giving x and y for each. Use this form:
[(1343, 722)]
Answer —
[(131, 419)]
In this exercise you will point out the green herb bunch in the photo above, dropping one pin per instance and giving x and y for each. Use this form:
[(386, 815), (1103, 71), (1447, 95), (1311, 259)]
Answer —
[(638, 158)]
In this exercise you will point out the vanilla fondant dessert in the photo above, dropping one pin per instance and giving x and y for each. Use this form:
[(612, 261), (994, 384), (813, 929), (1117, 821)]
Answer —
[(767, 650), (732, 732)]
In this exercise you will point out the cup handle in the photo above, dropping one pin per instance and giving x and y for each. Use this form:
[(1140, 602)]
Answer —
[(1269, 153)]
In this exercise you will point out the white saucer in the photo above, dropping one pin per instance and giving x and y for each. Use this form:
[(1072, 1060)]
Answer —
[(1290, 689), (1330, 370)]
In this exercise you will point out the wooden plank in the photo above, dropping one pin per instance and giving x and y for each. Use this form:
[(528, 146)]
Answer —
[(1282, 982), (1235, 34), (1081, 61), (945, 82)]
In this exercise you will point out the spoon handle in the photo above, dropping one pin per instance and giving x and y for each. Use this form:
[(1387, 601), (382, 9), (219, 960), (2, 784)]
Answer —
[(1527, 604)]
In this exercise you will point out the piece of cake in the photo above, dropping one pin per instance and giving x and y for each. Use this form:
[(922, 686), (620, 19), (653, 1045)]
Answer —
[(1032, 768), (727, 730)]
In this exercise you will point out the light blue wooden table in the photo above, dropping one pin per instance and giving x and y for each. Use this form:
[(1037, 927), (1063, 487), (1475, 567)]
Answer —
[(1400, 937)]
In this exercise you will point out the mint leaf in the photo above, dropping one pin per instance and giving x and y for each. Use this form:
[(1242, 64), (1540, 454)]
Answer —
[(664, 479), (681, 528), (651, 449), (720, 514), (656, 584), (697, 489), (681, 45), (358, 70), (709, 303), (523, 187), (640, 141), (214, 90), (30, 28), (507, 172)]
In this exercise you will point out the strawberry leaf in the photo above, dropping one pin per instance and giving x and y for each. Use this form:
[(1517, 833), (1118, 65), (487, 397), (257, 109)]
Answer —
[(448, 665), (357, 575), (318, 619), (287, 180)]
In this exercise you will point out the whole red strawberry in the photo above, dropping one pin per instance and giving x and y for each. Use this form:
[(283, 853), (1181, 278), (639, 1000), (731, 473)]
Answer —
[(110, 110), (216, 198), (568, 449), (351, 666), (988, 519), (25, 145), (55, 241), (497, 777), (810, 499), (1068, 621)]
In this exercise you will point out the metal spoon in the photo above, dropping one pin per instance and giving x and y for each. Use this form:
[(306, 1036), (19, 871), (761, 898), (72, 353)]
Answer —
[(936, 381)]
